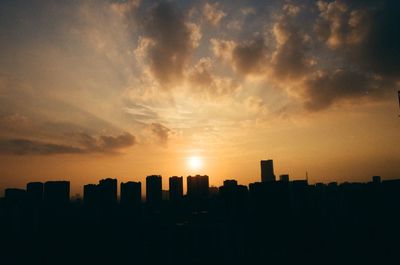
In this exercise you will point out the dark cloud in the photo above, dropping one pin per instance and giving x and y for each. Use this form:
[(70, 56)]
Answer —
[(171, 42), (364, 34), (88, 144), (249, 56), (379, 51), (106, 144), (29, 147), (290, 59), (117, 142), (160, 131), (364, 38), (322, 89), (302, 51)]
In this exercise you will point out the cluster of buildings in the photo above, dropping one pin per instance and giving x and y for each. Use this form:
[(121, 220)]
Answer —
[(105, 192), (54, 192)]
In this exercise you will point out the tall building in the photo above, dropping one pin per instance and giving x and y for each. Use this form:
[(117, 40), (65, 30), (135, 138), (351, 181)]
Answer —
[(56, 192), (153, 189), (90, 194), (131, 193), (107, 191), (34, 191), (267, 171), (197, 187), (175, 188)]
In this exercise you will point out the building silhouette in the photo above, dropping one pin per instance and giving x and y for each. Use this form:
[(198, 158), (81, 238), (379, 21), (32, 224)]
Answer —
[(34, 191), (197, 187), (154, 189), (376, 179), (107, 191), (131, 193), (14, 195), (90, 194), (56, 192), (276, 222), (284, 178), (175, 188), (267, 170)]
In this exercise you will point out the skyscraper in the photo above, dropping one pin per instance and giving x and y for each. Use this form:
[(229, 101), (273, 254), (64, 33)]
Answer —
[(131, 193), (56, 192), (34, 191), (107, 191), (175, 188), (153, 189), (267, 171), (90, 194), (197, 187)]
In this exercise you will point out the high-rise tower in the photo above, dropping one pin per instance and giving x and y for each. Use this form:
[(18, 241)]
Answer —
[(267, 170)]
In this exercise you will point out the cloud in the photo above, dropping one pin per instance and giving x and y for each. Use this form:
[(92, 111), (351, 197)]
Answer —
[(335, 57), (246, 57), (362, 42), (222, 49), (212, 14), (88, 144), (29, 147), (338, 25), (106, 143), (116, 142), (167, 42), (160, 131), (364, 34), (290, 59), (250, 56), (202, 79), (324, 89)]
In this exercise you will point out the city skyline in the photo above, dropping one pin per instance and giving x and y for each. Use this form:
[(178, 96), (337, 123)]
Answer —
[(112, 189), (93, 89)]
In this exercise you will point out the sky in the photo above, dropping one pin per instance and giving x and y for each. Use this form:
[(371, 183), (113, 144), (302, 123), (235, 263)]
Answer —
[(125, 89)]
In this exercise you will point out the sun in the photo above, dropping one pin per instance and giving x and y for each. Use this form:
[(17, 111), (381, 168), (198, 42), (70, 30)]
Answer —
[(195, 162)]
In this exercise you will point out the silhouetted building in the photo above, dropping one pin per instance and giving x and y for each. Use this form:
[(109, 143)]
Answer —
[(197, 187), (131, 193), (34, 191), (90, 194), (107, 191), (376, 179), (284, 178), (153, 189), (213, 191), (14, 195), (230, 183), (267, 171), (175, 188), (56, 192)]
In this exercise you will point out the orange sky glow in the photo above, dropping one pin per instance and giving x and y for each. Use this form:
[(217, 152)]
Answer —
[(128, 89)]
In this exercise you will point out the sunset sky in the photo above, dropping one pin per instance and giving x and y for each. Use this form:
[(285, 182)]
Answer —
[(93, 89)]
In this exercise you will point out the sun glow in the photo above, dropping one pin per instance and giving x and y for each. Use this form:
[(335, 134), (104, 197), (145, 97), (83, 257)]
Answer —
[(195, 162)]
